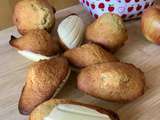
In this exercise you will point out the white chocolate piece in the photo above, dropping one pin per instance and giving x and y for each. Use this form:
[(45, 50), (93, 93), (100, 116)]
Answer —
[(33, 56), (75, 112), (71, 31)]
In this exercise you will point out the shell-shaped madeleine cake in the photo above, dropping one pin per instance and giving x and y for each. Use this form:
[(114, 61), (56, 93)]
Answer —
[(71, 31), (33, 14), (108, 31), (36, 45), (88, 54), (116, 81), (44, 80), (63, 109)]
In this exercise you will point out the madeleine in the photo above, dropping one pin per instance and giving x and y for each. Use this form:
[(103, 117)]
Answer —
[(108, 31)]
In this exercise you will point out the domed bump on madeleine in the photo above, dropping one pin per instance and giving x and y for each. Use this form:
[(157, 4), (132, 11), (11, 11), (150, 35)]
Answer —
[(44, 109), (43, 80), (36, 45), (116, 81), (88, 54), (71, 31), (33, 14), (108, 30)]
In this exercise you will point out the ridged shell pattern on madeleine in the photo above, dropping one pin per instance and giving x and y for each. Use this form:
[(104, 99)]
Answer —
[(119, 82), (71, 31), (88, 54), (38, 42), (43, 79)]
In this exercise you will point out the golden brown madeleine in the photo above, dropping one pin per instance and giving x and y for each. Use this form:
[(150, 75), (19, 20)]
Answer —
[(108, 31), (88, 54), (150, 24), (116, 81), (33, 14), (37, 41), (43, 79), (45, 108)]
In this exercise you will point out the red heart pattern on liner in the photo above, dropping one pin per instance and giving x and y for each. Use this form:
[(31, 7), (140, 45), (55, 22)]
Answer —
[(127, 9)]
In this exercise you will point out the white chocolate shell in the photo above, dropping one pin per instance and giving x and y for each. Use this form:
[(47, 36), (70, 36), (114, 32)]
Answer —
[(33, 56), (71, 31), (75, 112)]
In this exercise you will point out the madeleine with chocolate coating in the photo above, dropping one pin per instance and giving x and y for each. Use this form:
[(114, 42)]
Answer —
[(45, 109), (44, 80), (36, 45)]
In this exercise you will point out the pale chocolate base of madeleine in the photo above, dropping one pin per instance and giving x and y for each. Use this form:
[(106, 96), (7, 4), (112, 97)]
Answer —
[(62, 84), (45, 108)]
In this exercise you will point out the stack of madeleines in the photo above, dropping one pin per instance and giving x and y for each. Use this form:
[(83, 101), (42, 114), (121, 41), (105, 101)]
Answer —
[(86, 48)]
